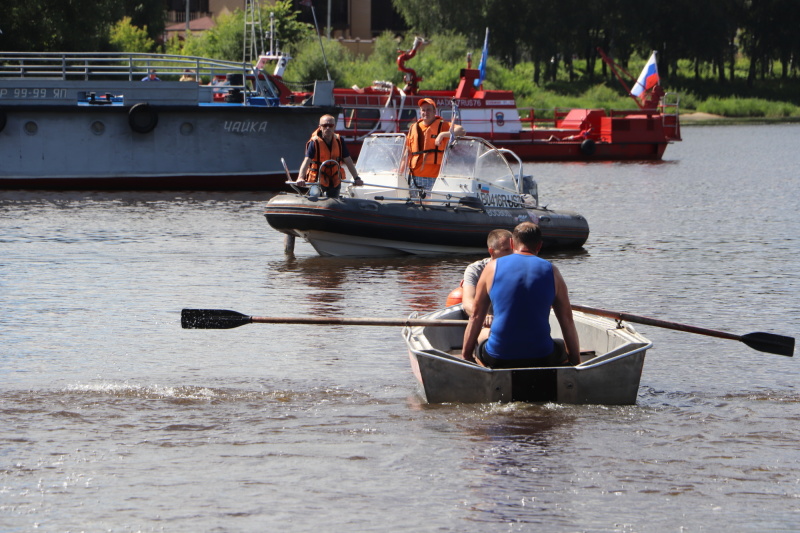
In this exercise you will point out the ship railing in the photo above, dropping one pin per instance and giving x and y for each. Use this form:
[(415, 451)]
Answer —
[(532, 118), (670, 115), (113, 65), (551, 118)]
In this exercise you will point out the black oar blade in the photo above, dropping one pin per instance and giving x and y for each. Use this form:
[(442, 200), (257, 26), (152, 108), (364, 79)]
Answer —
[(212, 319), (770, 343)]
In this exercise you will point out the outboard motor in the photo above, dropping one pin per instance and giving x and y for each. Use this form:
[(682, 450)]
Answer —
[(529, 186)]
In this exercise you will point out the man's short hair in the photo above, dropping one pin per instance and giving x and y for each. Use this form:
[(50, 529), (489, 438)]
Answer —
[(528, 234), (497, 237)]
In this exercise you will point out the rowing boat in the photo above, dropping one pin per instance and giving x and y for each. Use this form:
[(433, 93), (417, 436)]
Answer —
[(612, 357)]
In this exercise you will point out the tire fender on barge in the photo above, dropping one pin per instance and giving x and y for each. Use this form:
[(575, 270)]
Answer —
[(142, 118)]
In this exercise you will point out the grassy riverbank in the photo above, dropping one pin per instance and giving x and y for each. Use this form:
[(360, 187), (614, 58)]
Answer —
[(707, 119)]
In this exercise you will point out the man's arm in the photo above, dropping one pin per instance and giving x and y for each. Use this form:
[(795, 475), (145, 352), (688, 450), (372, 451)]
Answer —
[(301, 175), (472, 274), (468, 298), (480, 308), (455, 130), (352, 168), (563, 311)]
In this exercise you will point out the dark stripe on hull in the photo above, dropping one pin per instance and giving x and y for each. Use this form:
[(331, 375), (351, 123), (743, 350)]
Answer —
[(536, 386), (457, 227), (220, 182)]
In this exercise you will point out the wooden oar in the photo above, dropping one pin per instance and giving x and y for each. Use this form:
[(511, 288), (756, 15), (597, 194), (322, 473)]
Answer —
[(763, 342), (225, 319)]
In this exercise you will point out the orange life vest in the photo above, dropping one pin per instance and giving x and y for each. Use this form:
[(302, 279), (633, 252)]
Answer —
[(426, 157), (331, 175)]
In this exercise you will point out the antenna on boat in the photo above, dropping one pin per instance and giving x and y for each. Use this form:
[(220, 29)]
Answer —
[(456, 112), (253, 45), (455, 119), (307, 3)]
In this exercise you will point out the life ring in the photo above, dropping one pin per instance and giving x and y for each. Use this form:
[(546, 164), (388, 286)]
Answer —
[(588, 147), (3, 120), (142, 118)]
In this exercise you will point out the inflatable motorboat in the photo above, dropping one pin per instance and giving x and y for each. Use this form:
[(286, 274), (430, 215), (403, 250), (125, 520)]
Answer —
[(477, 190)]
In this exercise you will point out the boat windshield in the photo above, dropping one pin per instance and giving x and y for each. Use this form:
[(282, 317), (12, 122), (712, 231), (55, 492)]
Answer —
[(472, 158), (381, 154)]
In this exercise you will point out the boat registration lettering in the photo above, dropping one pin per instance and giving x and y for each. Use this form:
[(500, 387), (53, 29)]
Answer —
[(501, 200), (32, 93), (246, 126), (465, 103)]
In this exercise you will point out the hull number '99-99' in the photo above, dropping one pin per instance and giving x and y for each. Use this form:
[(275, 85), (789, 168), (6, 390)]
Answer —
[(32, 93)]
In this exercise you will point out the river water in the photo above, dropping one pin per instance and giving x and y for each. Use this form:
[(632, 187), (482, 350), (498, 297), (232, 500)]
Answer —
[(115, 419)]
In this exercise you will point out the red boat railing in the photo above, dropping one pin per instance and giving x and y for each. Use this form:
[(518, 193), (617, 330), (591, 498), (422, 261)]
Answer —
[(358, 122)]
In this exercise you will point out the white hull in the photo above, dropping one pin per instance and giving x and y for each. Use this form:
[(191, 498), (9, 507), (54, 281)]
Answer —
[(339, 245)]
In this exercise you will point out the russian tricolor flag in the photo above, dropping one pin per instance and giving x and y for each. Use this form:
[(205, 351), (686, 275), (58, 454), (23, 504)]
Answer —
[(648, 78)]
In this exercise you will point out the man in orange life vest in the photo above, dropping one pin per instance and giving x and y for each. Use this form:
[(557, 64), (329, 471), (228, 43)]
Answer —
[(324, 145), (425, 141)]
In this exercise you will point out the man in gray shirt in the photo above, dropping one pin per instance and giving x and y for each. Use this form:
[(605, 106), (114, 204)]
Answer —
[(499, 244)]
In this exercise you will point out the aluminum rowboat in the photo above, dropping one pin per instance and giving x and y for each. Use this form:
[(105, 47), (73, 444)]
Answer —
[(612, 355)]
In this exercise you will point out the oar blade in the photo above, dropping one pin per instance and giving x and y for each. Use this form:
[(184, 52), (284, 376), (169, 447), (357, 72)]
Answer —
[(212, 319), (770, 343)]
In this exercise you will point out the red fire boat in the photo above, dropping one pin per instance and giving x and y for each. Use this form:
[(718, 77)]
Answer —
[(565, 135)]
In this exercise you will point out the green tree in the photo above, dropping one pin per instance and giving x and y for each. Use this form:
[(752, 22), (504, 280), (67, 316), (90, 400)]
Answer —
[(55, 25), (309, 65), (226, 39), (429, 17), (289, 31), (125, 37), (147, 14)]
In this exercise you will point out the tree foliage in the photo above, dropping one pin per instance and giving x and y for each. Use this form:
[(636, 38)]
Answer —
[(552, 42), (226, 39), (74, 25), (146, 14), (551, 33), (125, 37), (56, 25)]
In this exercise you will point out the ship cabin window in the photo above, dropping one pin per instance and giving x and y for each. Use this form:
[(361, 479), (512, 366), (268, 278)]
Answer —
[(359, 119)]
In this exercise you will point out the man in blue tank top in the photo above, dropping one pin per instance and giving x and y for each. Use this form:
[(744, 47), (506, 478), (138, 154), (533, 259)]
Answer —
[(522, 288)]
